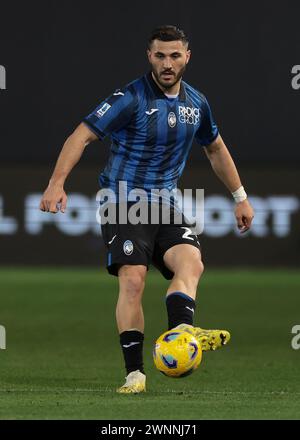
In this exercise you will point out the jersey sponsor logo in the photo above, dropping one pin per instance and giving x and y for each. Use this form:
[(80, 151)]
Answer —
[(188, 115), (128, 247), (151, 111), (103, 110), (172, 119)]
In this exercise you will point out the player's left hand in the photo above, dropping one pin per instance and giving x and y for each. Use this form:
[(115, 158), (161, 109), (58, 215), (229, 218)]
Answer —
[(244, 214)]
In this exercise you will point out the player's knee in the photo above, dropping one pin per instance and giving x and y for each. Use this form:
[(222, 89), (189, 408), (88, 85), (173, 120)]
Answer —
[(134, 287), (196, 268), (199, 267), (193, 269), (132, 282)]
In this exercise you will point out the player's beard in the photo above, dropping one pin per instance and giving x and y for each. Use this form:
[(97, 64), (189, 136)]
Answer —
[(168, 85)]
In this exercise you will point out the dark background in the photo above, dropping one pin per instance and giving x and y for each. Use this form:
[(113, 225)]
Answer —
[(63, 58)]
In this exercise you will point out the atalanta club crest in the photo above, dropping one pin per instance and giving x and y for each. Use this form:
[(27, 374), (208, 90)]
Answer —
[(128, 247), (172, 119)]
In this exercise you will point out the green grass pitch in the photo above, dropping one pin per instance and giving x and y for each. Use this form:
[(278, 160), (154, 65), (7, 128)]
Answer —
[(63, 359)]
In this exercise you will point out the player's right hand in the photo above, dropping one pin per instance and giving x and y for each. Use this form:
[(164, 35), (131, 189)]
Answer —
[(54, 199)]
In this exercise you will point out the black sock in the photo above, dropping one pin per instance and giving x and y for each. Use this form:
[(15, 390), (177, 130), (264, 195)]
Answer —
[(132, 346), (181, 308)]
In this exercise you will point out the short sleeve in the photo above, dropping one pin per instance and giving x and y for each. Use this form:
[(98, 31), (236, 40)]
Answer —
[(208, 130), (112, 114)]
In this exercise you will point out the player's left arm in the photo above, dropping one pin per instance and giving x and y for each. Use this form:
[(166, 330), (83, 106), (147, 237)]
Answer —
[(224, 167)]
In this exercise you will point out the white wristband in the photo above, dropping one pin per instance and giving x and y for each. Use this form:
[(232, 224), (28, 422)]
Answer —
[(239, 195)]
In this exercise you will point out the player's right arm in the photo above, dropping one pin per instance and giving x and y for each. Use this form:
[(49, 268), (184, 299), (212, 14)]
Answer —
[(109, 116), (69, 156)]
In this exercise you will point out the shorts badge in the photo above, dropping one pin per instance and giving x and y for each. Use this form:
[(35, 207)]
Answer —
[(128, 247)]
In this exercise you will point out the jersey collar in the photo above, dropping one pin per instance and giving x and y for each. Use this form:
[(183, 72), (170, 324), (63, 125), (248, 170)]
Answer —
[(158, 93)]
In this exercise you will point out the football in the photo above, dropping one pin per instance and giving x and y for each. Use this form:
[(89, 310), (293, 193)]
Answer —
[(177, 353)]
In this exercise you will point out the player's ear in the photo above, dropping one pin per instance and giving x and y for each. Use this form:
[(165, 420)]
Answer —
[(149, 55), (188, 56)]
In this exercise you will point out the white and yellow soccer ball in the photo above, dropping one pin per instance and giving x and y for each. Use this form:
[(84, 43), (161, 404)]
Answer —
[(177, 353)]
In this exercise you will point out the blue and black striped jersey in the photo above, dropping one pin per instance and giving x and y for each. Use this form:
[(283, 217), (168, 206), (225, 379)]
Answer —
[(151, 134)]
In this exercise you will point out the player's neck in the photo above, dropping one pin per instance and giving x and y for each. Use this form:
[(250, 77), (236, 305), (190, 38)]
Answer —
[(170, 91)]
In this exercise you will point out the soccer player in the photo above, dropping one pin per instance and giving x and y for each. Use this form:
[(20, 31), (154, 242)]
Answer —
[(152, 123)]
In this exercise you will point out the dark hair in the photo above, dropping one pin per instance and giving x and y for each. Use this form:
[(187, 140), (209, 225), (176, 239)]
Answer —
[(167, 32)]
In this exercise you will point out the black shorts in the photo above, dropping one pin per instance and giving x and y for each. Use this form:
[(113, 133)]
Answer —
[(143, 244)]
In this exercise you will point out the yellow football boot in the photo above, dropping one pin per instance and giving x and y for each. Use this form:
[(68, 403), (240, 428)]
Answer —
[(135, 383), (208, 339)]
